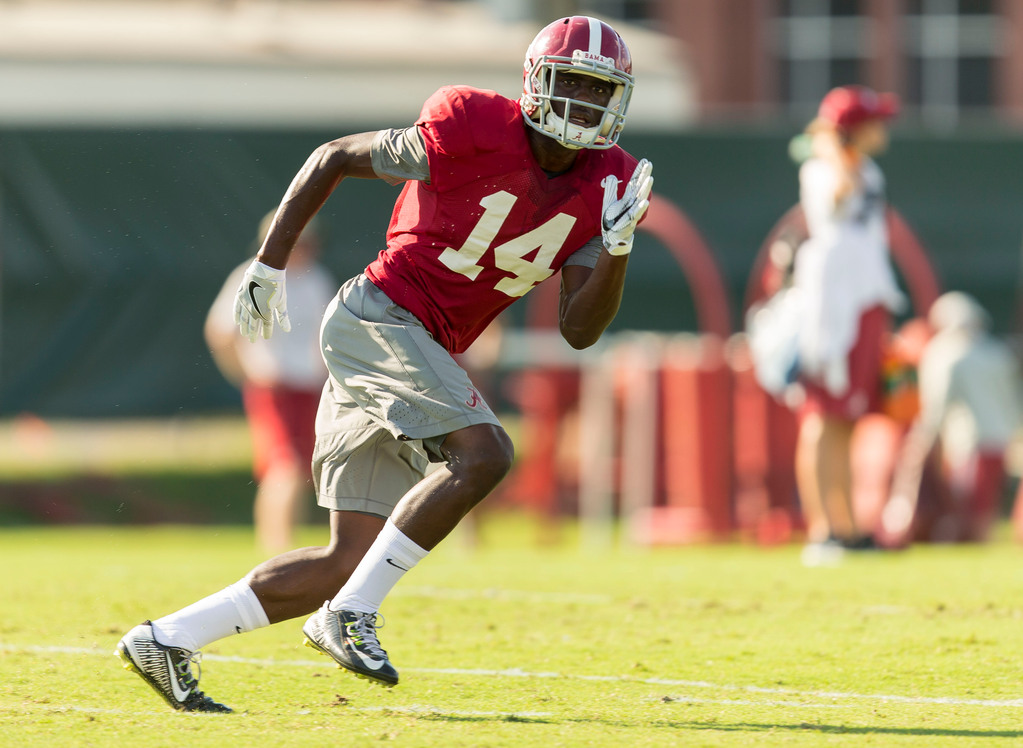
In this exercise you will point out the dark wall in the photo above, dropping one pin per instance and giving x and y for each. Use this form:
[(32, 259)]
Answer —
[(113, 243)]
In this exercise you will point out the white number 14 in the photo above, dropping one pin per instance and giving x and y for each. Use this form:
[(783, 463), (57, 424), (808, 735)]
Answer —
[(510, 256)]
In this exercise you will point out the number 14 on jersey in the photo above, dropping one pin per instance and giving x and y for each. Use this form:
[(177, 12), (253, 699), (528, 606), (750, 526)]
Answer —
[(546, 239)]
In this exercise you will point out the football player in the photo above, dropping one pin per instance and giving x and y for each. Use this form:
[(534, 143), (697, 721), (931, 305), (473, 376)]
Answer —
[(498, 195)]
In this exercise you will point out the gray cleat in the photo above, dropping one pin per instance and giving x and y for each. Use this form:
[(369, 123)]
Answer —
[(349, 638)]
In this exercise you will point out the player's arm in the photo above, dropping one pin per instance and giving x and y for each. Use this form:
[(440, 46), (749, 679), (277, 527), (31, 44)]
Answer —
[(832, 148), (935, 388), (262, 295), (590, 297), (322, 172)]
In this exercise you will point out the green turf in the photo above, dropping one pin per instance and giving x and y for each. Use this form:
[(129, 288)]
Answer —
[(512, 644)]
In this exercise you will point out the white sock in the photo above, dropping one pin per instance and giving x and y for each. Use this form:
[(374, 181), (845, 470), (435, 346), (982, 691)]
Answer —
[(233, 610), (386, 561)]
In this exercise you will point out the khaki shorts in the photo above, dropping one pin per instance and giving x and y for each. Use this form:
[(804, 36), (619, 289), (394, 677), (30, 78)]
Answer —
[(392, 396)]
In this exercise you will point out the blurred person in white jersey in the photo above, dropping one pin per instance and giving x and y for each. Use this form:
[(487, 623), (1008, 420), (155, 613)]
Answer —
[(280, 379), (499, 195), (969, 412), (847, 290)]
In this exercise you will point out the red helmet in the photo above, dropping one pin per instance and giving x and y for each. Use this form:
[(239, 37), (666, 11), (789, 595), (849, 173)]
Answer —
[(848, 106), (579, 44)]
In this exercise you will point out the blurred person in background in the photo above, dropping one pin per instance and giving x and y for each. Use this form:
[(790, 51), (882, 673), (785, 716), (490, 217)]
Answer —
[(969, 412), (280, 379), (498, 196), (846, 291)]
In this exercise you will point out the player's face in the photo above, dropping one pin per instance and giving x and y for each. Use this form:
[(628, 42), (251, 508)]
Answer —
[(871, 137), (585, 89)]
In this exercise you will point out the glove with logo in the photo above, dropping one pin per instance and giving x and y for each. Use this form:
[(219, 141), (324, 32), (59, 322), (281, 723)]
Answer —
[(260, 297), (620, 216)]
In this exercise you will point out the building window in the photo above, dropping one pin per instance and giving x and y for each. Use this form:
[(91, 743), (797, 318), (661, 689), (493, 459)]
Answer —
[(949, 52), (820, 44), (951, 47)]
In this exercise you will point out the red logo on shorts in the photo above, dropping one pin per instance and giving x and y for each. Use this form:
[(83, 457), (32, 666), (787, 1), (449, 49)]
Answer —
[(474, 398)]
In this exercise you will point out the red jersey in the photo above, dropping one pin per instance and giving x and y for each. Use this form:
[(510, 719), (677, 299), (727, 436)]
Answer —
[(490, 224)]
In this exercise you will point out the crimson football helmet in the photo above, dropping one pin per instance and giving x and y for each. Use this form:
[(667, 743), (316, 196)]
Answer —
[(578, 44)]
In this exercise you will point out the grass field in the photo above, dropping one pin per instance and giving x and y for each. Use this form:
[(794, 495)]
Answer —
[(508, 643)]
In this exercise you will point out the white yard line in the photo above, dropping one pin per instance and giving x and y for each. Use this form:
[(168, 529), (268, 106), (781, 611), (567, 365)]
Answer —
[(527, 674)]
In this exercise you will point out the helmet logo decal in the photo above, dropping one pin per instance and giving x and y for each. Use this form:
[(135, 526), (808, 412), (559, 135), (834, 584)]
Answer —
[(583, 55)]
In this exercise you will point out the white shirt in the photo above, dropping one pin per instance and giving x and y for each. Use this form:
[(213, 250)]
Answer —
[(843, 269), (969, 393)]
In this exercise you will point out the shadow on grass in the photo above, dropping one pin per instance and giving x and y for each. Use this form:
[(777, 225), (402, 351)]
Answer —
[(800, 727), (843, 729), (439, 716)]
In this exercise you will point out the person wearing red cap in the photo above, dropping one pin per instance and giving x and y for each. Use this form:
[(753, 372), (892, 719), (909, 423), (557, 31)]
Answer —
[(847, 107), (847, 290)]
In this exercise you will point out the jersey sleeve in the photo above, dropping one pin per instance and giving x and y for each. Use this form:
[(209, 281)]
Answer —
[(445, 125), (587, 254), (461, 123), (399, 155)]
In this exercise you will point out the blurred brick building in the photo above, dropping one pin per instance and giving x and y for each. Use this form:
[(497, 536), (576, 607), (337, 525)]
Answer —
[(951, 61)]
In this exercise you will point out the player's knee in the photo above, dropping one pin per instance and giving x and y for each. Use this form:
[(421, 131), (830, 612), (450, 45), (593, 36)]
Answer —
[(491, 461), (485, 455), (500, 454)]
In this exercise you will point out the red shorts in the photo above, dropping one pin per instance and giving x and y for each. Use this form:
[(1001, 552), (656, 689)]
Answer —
[(283, 426), (979, 483), (865, 359)]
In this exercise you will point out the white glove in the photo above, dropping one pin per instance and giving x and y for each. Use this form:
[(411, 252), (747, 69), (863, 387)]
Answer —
[(260, 297), (620, 217)]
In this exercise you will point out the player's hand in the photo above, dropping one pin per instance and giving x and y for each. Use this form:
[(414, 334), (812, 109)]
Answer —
[(620, 216), (260, 298)]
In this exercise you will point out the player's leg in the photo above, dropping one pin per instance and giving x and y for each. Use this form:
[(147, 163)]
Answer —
[(865, 362), (835, 475), (297, 582), (386, 371), (824, 458), (278, 506), (807, 478), (282, 422), (477, 458), (817, 450), (292, 584)]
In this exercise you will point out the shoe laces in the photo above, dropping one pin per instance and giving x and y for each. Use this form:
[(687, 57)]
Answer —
[(184, 667), (363, 631)]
